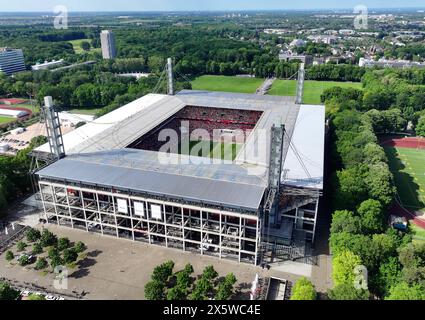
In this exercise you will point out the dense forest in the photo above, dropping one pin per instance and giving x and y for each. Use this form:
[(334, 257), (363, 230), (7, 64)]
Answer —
[(364, 189)]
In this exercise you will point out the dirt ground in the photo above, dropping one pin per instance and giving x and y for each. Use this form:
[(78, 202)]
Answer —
[(118, 269)]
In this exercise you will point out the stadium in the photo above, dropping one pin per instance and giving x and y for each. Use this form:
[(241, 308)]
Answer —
[(234, 176)]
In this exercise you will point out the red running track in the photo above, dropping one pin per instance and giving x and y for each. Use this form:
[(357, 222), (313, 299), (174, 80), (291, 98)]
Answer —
[(408, 143)]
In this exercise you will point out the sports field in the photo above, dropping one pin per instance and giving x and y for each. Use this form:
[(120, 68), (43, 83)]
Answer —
[(213, 150), (6, 120), (312, 89), (408, 167), (227, 84)]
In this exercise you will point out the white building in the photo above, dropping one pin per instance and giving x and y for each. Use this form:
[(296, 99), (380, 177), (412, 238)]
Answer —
[(384, 63), (11, 61), (46, 65), (107, 40)]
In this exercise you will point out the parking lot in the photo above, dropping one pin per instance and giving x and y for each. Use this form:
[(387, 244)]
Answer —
[(119, 269)]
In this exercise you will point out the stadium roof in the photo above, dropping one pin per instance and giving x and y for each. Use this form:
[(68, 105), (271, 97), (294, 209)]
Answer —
[(227, 185), (96, 152)]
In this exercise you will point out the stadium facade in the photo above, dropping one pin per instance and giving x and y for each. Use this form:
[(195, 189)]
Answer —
[(117, 180)]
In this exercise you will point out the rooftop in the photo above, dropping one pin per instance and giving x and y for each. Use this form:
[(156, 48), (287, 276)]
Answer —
[(97, 154)]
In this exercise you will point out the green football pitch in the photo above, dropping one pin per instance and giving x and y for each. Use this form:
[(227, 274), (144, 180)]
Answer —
[(408, 167), (312, 89), (227, 84), (211, 149)]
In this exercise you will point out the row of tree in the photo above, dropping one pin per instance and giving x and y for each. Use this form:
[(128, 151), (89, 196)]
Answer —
[(364, 190), (166, 285)]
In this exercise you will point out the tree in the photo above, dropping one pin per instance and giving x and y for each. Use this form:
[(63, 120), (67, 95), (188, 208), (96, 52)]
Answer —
[(56, 261), (403, 291), (345, 221), (344, 265), (7, 292), (420, 127), (346, 292), (203, 288), (389, 275), (303, 290), (175, 294), (37, 248), (41, 264), (24, 260), (80, 247), (70, 255), (21, 246), (209, 273), (372, 216), (85, 46), (48, 239), (53, 252), (33, 235), (9, 256), (163, 272), (225, 287), (63, 243), (154, 290)]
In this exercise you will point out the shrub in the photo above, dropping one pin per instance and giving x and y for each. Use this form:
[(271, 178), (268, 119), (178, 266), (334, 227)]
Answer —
[(37, 248), (70, 255), (33, 235), (41, 264), (163, 272), (9, 256), (24, 261), (80, 247), (154, 290), (209, 273), (36, 297), (21, 246), (63, 243), (7, 292), (303, 290), (48, 239)]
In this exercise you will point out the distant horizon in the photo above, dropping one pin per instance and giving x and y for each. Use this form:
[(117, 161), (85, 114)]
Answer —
[(139, 6), (222, 10)]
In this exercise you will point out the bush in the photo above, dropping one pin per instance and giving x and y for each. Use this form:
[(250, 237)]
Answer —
[(9, 256), (163, 272), (41, 264), (48, 239), (347, 292), (56, 261), (37, 248), (225, 288), (176, 294), (7, 292), (209, 273), (53, 253), (80, 247), (33, 235), (21, 246), (24, 261), (154, 290), (63, 243), (70, 255), (304, 290)]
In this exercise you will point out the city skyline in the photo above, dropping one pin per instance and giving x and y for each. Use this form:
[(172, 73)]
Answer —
[(192, 5)]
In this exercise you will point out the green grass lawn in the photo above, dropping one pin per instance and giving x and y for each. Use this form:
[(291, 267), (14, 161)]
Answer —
[(418, 233), (34, 108), (312, 89), (408, 167), (227, 84), (213, 150), (77, 46), (6, 119), (283, 88)]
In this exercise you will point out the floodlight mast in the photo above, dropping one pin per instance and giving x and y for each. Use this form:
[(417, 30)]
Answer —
[(170, 76), (53, 128)]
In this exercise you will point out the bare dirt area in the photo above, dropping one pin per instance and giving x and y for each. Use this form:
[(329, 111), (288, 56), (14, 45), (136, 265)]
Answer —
[(117, 269)]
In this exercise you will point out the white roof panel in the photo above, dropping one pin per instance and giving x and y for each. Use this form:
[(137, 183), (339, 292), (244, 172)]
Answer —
[(304, 164)]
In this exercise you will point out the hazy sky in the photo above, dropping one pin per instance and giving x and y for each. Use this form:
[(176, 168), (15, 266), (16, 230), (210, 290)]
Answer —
[(195, 5)]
